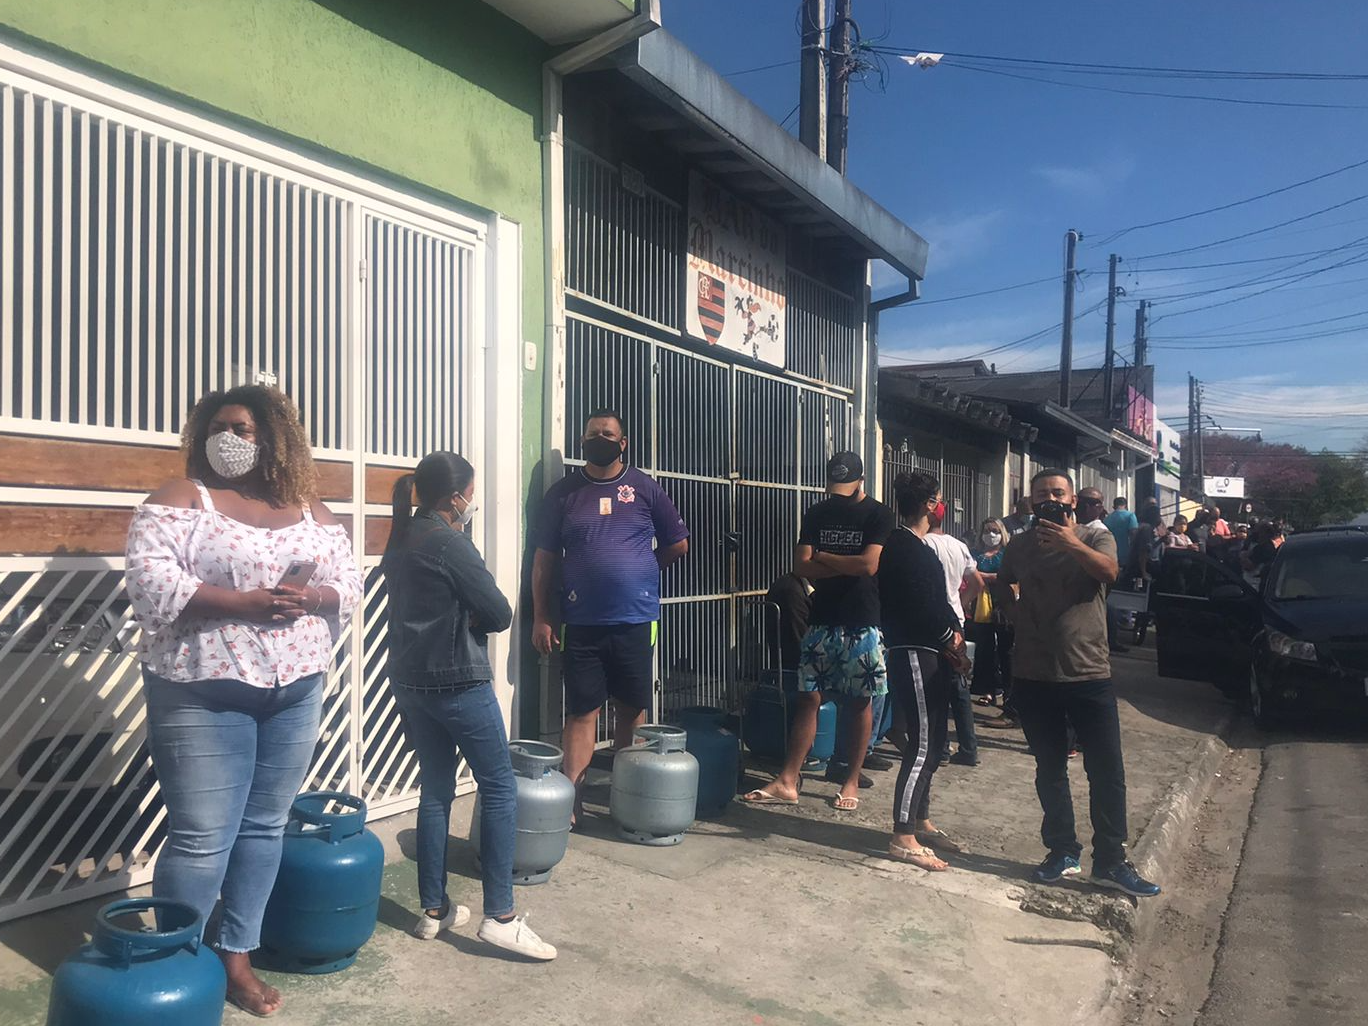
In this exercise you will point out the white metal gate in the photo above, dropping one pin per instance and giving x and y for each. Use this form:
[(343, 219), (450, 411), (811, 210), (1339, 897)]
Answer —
[(148, 256)]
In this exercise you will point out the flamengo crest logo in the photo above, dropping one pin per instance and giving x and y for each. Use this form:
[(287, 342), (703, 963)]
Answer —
[(712, 307), (626, 493)]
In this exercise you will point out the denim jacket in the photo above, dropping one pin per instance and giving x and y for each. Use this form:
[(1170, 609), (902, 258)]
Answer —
[(443, 602)]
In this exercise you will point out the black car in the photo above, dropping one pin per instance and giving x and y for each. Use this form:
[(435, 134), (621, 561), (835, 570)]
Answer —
[(1298, 644)]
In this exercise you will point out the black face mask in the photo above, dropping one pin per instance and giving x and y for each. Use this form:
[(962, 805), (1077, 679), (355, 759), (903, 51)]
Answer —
[(1055, 512), (600, 451)]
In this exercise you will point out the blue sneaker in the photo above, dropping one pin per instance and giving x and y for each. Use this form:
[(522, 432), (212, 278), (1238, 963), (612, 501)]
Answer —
[(1056, 867), (1123, 877)]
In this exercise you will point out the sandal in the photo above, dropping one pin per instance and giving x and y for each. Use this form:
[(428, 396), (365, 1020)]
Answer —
[(844, 803), (922, 858), (985, 700), (760, 796), (939, 840)]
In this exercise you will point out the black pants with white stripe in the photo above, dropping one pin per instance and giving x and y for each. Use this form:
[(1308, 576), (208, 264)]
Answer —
[(922, 682)]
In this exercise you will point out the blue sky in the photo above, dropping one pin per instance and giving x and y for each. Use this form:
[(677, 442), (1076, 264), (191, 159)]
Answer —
[(993, 171)]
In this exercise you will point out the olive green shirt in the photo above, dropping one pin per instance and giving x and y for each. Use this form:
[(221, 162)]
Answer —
[(1061, 613)]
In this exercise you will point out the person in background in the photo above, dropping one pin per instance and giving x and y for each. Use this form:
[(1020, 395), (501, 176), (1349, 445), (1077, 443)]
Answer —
[(1092, 506), (1063, 676), (793, 595), (1121, 522), (607, 530), (961, 575), (838, 549), (235, 662), (993, 640), (443, 605), (925, 646), (1260, 556), (1178, 537), (1142, 562), (1020, 518)]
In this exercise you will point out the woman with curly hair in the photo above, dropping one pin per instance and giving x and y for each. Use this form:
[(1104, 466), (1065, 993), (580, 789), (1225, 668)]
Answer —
[(241, 581)]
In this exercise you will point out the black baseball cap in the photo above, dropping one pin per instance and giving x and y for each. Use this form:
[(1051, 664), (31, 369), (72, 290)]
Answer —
[(845, 467)]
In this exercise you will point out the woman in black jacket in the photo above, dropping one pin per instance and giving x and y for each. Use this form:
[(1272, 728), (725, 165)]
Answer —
[(924, 642), (443, 603)]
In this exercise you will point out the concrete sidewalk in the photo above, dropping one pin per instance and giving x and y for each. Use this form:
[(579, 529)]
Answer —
[(784, 916)]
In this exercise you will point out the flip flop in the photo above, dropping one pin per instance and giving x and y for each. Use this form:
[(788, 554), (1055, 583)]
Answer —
[(760, 796), (898, 853), (940, 841), (985, 700), (842, 803)]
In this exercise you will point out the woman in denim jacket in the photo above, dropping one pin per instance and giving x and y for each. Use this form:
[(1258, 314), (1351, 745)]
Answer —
[(443, 604)]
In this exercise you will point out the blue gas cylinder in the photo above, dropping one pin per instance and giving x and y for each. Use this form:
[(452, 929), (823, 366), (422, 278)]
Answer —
[(327, 894), (824, 743), (129, 975), (718, 753)]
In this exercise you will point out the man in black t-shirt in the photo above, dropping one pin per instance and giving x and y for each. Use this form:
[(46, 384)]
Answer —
[(842, 652)]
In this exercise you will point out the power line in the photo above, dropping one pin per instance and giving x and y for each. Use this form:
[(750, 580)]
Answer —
[(1256, 231), (1229, 206), (1241, 101), (1272, 288), (763, 67), (1142, 69), (987, 292)]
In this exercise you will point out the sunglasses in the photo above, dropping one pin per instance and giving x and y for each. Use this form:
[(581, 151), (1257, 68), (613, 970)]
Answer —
[(1091, 502)]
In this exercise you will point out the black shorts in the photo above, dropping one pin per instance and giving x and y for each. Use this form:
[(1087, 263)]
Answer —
[(609, 660)]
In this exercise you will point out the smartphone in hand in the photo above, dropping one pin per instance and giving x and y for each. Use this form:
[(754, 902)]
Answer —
[(1054, 512), (298, 574)]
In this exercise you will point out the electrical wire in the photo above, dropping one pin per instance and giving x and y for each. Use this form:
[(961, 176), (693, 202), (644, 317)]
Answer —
[(763, 67), (1145, 70), (1256, 231), (1240, 101), (1230, 206)]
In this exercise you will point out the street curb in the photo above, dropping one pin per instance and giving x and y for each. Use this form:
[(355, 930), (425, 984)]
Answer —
[(1168, 829), (1166, 833)]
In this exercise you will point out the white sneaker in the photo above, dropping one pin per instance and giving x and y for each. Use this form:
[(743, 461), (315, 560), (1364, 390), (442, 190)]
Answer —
[(516, 937), (428, 928)]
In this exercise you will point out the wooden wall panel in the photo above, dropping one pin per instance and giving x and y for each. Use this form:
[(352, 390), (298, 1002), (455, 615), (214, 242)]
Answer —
[(380, 483), (27, 461), (63, 530)]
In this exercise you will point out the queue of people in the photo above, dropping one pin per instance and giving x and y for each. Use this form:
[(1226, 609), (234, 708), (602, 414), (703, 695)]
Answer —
[(242, 582)]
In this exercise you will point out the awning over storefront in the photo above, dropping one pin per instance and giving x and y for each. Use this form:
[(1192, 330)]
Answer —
[(743, 148)]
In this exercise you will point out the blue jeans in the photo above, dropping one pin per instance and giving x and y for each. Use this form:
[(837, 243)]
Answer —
[(230, 759), (962, 709), (437, 723)]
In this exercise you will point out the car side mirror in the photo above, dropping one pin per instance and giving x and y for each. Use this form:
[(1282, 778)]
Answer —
[(1227, 593)]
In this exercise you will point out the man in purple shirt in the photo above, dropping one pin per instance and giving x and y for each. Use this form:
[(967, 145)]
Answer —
[(608, 529)]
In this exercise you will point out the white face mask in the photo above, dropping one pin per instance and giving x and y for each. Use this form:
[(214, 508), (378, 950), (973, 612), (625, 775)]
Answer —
[(992, 539), (468, 514), (230, 456)]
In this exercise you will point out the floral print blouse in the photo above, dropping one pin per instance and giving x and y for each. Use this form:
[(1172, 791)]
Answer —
[(172, 551)]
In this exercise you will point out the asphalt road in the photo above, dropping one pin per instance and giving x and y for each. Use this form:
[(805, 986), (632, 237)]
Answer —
[(1293, 945)]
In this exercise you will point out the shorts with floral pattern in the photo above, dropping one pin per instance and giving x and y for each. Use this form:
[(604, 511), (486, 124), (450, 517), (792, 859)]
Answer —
[(844, 660)]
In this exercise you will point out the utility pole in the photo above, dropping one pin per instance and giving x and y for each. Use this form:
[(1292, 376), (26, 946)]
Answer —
[(1066, 341), (1141, 342), (812, 98), (1109, 367), (838, 92)]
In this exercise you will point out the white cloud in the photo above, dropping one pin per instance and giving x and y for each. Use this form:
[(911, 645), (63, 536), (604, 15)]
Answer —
[(1089, 181), (956, 239), (1315, 416)]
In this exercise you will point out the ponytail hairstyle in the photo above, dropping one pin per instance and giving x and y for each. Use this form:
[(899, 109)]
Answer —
[(438, 476)]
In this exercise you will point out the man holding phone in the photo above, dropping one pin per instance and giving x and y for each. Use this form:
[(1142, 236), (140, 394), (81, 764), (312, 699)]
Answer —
[(1063, 676)]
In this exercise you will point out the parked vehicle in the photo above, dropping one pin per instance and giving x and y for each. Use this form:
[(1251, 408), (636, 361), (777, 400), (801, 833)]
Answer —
[(1300, 644)]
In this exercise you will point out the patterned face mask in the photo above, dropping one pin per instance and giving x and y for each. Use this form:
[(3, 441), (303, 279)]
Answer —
[(230, 456)]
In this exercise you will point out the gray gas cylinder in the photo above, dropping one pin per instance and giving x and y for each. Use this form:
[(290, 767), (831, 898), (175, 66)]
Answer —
[(546, 800), (655, 786)]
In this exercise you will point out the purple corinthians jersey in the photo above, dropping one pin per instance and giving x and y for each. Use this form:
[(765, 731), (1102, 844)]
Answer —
[(605, 530)]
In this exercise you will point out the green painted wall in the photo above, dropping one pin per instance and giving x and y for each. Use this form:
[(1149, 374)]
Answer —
[(442, 93), (445, 94)]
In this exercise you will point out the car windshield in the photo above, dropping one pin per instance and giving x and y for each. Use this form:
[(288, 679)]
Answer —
[(1323, 572)]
